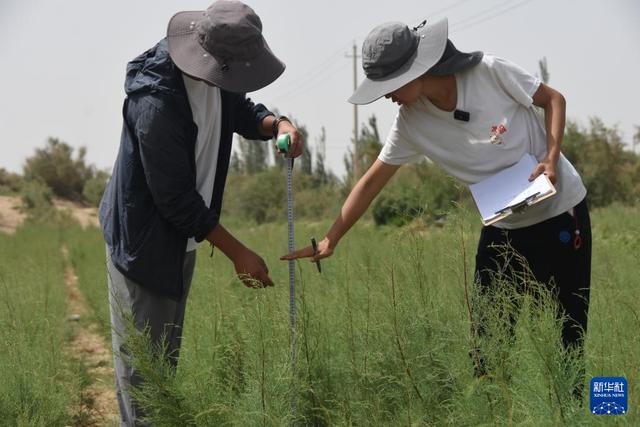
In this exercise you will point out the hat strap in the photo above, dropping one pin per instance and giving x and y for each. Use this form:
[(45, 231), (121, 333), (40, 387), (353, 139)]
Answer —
[(420, 25)]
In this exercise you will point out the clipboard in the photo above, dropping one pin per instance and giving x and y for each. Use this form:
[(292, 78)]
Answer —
[(509, 191)]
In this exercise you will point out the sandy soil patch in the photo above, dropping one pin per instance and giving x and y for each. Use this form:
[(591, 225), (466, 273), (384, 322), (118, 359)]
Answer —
[(85, 215), (98, 404), (10, 215)]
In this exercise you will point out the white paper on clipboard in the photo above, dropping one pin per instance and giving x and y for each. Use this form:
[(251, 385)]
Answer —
[(510, 187)]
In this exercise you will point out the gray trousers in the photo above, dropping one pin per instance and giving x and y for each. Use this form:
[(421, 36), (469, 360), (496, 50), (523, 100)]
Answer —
[(162, 315)]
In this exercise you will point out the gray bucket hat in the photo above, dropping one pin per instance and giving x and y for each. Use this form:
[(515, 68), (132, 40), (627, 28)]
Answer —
[(223, 46), (394, 54)]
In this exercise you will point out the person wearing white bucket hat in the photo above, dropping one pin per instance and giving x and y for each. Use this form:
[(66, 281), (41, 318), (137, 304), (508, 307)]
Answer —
[(473, 115), (185, 99)]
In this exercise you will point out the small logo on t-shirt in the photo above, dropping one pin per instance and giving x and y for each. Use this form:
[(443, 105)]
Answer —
[(496, 134)]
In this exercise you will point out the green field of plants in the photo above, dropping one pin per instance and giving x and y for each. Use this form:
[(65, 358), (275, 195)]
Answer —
[(383, 333), (39, 383)]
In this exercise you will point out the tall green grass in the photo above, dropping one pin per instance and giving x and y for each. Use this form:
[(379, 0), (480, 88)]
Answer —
[(39, 382), (384, 335)]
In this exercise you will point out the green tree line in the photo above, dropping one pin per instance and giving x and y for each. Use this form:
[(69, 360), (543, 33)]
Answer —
[(256, 189)]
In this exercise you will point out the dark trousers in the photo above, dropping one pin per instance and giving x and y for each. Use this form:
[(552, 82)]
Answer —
[(554, 257)]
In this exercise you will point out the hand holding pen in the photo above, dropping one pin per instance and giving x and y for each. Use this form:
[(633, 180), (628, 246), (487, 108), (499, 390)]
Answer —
[(314, 245), (316, 251)]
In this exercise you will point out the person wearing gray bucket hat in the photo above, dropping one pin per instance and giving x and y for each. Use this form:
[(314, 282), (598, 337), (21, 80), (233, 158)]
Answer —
[(474, 115), (185, 99), (393, 55), (223, 46)]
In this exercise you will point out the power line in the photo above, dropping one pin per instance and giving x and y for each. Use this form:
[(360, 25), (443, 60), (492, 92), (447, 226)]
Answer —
[(313, 72), (492, 16), (444, 9), (472, 21), (319, 82), (481, 13), (311, 82), (432, 14), (307, 81), (355, 57), (302, 82)]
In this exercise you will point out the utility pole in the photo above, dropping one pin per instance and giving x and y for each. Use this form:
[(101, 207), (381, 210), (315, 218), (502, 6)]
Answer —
[(354, 164)]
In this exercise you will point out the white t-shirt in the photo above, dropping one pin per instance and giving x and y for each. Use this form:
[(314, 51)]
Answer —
[(205, 105), (495, 92)]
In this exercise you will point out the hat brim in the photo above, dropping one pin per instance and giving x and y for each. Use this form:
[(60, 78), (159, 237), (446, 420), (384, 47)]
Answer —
[(457, 63), (192, 59), (433, 39)]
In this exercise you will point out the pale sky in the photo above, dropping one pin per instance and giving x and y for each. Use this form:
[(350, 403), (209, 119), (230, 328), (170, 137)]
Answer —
[(63, 61)]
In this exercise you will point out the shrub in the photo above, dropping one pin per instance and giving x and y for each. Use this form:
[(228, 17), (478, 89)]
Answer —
[(37, 199), (609, 172), (9, 182), (262, 197), (419, 190), (315, 201), (55, 166), (94, 188)]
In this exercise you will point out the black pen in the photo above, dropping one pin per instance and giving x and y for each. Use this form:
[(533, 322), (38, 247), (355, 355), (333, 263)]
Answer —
[(314, 245)]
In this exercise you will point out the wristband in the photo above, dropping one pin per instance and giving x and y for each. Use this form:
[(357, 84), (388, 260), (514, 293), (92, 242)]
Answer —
[(276, 123)]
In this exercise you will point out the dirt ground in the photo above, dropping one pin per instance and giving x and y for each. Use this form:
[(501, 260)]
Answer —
[(97, 404), (84, 215), (11, 217)]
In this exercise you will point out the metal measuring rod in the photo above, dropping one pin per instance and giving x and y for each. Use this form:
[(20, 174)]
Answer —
[(283, 144)]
